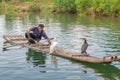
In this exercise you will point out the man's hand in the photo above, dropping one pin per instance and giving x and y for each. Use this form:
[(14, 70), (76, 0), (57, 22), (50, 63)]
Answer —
[(29, 31), (49, 42)]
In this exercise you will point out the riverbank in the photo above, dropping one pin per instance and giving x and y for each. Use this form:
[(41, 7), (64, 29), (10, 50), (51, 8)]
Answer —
[(81, 8), (18, 8), (107, 8)]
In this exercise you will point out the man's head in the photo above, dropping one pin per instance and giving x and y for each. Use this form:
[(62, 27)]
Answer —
[(40, 27)]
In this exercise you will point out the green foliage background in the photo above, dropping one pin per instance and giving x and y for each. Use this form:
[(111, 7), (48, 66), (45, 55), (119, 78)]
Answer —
[(80, 7), (65, 5), (90, 7)]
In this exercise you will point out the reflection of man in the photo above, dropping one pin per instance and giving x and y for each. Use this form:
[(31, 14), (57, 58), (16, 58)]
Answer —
[(36, 33), (37, 58)]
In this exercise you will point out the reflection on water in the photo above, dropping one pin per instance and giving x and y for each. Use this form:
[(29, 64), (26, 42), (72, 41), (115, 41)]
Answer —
[(109, 72), (102, 35), (53, 60), (37, 58)]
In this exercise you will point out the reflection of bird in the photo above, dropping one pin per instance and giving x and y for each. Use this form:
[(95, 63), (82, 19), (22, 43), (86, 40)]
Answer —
[(84, 71), (84, 46), (53, 45), (53, 60)]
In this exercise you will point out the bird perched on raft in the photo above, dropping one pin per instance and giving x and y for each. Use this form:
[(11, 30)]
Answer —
[(53, 45), (84, 46)]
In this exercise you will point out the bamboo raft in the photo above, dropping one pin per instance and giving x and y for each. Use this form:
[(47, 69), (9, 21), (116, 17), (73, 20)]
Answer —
[(20, 40)]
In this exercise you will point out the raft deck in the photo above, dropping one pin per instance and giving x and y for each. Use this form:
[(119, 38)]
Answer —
[(20, 40)]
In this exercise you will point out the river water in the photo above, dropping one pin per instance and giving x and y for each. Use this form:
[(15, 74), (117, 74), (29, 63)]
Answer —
[(20, 63)]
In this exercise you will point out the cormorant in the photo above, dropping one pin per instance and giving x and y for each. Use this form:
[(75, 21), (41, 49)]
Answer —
[(84, 47)]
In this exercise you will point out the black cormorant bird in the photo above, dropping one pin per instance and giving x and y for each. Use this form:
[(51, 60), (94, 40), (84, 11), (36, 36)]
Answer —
[(84, 46)]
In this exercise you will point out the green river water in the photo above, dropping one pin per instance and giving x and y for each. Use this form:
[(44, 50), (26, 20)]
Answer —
[(20, 63)]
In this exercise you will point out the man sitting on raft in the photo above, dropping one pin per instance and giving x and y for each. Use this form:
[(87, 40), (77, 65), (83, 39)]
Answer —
[(35, 34)]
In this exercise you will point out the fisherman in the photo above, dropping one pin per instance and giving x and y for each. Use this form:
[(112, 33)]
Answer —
[(35, 34)]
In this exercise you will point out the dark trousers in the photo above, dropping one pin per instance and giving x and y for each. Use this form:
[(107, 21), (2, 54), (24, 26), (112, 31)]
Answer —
[(33, 36)]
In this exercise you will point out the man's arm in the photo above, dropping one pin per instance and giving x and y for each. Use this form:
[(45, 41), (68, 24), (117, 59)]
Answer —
[(46, 37)]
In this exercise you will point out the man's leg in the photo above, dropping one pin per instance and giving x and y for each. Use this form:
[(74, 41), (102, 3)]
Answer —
[(26, 36), (30, 37)]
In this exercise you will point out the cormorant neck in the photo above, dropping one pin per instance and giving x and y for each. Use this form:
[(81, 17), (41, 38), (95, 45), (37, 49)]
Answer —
[(85, 41)]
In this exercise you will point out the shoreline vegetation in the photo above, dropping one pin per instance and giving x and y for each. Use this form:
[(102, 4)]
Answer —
[(109, 8)]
